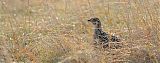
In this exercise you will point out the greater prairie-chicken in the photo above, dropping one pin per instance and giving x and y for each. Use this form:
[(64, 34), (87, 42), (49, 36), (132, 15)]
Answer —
[(101, 37)]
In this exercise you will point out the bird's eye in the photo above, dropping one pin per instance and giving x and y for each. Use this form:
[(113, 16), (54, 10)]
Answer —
[(94, 19)]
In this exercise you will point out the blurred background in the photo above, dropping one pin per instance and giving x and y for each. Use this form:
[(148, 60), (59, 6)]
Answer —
[(57, 31)]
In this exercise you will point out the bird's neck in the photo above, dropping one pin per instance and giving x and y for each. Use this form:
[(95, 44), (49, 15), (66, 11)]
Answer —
[(97, 29), (98, 26)]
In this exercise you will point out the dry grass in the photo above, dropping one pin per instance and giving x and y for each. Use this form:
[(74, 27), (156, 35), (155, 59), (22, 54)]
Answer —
[(57, 31)]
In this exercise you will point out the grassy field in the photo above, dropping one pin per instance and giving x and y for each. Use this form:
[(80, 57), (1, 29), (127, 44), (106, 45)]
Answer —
[(57, 31)]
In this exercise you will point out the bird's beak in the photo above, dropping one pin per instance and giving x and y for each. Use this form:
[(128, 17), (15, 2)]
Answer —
[(89, 20)]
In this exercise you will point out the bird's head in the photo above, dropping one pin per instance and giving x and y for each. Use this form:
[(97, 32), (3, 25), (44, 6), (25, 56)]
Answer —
[(94, 21)]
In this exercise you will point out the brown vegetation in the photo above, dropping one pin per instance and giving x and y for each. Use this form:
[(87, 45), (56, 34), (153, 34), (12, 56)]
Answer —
[(57, 31)]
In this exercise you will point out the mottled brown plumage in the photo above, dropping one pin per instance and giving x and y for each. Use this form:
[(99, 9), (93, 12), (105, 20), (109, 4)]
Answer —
[(101, 37)]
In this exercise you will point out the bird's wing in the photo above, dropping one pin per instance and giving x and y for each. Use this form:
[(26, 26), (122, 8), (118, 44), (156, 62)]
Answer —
[(115, 39), (104, 37)]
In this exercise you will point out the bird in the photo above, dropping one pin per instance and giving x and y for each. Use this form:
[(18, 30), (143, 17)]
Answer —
[(100, 37)]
